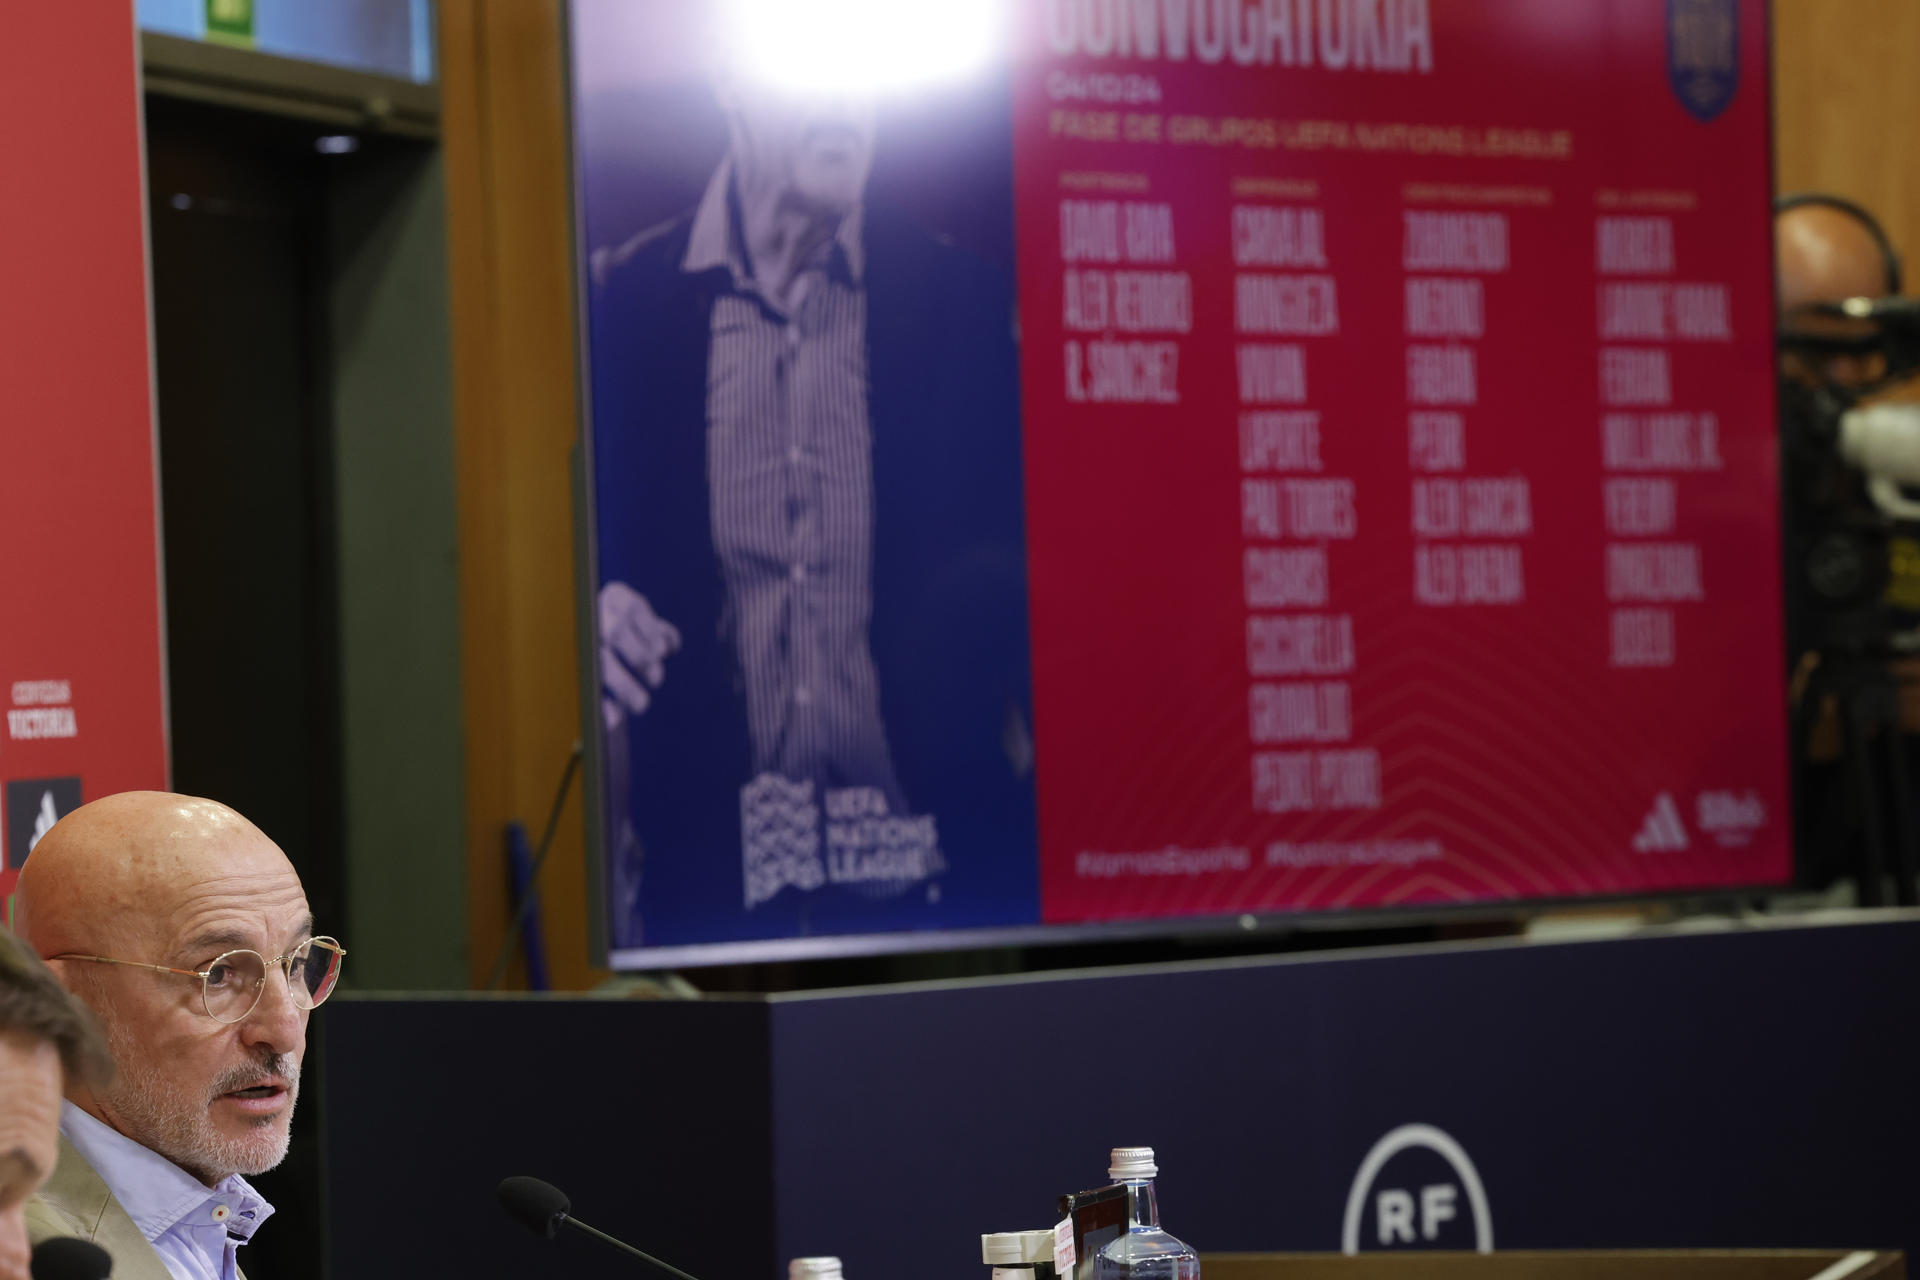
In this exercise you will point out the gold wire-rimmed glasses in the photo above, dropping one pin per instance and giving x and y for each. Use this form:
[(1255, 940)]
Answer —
[(231, 986)]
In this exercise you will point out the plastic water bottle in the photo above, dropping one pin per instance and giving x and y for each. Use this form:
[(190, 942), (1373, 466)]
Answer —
[(1143, 1251), (814, 1269)]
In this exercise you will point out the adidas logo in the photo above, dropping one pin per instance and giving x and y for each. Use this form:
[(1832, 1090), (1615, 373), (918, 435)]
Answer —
[(43, 821), (1662, 831)]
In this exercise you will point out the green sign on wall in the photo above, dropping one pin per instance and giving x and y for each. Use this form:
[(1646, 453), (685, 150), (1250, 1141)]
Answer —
[(230, 22)]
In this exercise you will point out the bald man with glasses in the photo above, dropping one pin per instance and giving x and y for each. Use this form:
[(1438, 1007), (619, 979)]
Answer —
[(186, 931)]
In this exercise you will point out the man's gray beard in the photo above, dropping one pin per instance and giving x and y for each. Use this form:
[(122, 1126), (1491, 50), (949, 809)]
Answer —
[(160, 1118)]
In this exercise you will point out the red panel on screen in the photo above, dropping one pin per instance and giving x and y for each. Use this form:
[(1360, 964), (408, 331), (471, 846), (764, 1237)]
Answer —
[(80, 656), (1400, 446)]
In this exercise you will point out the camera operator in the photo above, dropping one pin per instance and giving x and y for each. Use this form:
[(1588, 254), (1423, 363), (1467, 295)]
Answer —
[(1852, 560)]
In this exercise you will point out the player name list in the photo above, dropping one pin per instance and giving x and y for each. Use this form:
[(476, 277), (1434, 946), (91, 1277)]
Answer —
[(1649, 316), (1398, 420), (1130, 307)]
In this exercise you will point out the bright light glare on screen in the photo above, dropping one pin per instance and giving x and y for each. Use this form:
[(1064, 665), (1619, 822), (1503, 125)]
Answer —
[(862, 46)]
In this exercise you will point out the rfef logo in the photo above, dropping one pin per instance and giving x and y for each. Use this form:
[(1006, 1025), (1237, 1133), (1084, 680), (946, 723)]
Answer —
[(33, 806), (1417, 1190), (1703, 54), (1730, 818)]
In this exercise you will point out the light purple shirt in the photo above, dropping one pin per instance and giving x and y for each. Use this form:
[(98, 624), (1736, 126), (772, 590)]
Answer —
[(197, 1230)]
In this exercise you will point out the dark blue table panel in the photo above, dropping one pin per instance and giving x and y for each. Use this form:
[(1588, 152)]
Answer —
[(1734, 1089), (654, 1117)]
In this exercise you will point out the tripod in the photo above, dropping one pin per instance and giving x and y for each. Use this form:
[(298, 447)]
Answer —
[(1865, 695)]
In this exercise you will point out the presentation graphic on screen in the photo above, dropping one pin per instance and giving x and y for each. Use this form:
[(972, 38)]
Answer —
[(1070, 461)]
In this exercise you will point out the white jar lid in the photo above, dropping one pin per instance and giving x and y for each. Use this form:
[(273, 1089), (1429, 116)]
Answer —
[(1132, 1164), (1016, 1248)]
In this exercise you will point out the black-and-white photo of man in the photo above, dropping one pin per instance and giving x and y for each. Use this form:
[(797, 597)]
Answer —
[(811, 603)]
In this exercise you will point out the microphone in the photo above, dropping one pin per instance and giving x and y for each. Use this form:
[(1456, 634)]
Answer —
[(540, 1206), (543, 1209), (67, 1258)]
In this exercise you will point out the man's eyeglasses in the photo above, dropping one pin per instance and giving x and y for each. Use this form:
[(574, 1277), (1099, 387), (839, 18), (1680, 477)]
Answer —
[(231, 987)]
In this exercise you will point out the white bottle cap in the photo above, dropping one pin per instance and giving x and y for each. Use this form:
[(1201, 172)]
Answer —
[(1016, 1248), (814, 1269), (1131, 1164)]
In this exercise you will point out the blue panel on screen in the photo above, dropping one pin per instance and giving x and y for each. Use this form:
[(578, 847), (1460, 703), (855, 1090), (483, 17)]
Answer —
[(814, 701)]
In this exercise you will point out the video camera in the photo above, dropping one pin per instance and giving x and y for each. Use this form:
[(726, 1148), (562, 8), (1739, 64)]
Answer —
[(1853, 531)]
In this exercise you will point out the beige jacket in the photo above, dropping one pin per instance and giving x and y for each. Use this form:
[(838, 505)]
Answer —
[(76, 1202)]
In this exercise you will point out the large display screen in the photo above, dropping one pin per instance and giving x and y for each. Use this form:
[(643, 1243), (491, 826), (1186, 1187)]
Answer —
[(1057, 462)]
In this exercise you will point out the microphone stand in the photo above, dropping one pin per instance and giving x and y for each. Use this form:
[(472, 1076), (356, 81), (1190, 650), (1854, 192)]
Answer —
[(622, 1245)]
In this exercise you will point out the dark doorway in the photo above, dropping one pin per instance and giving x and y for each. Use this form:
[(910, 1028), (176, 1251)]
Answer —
[(239, 241), (239, 236)]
